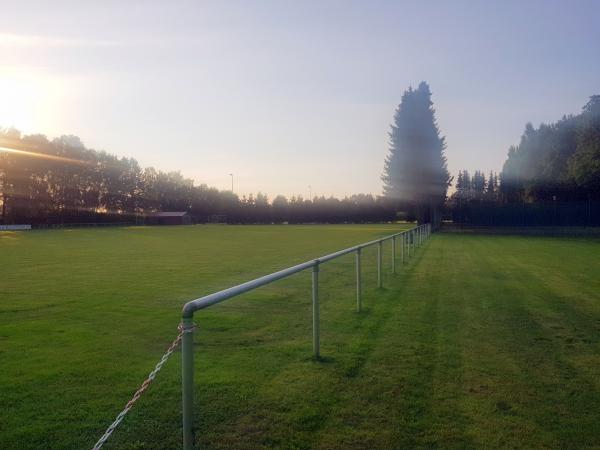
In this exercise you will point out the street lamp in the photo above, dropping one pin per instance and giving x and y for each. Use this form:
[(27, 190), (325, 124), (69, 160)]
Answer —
[(231, 175)]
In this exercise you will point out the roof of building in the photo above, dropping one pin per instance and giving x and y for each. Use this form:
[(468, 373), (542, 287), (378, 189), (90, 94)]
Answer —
[(170, 214)]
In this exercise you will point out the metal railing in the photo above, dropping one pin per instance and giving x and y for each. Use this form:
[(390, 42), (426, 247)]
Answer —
[(410, 239)]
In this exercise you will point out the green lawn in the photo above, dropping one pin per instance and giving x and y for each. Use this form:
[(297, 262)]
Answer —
[(477, 342)]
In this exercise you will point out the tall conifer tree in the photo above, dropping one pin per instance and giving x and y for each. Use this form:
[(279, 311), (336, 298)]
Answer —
[(415, 172)]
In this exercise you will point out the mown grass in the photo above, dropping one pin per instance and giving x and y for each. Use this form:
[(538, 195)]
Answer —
[(477, 342), (85, 314)]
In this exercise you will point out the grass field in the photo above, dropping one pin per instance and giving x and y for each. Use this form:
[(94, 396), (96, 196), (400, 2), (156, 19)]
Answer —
[(477, 342)]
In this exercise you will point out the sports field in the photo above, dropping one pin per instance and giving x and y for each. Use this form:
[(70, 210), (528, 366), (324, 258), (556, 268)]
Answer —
[(477, 342)]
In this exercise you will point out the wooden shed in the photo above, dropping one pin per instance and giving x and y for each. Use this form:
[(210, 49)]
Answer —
[(169, 218)]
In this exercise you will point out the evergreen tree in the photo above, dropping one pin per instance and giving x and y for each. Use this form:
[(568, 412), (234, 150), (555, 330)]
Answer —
[(491, 184), (460, 185), (415, 171), (466, 191), (478, 183)]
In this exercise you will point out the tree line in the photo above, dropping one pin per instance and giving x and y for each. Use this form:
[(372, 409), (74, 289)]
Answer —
[(476, 187), (560, 159), (551, 177), (45, 181)]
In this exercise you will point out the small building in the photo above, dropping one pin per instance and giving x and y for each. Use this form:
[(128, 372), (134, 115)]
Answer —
[(169, 218)]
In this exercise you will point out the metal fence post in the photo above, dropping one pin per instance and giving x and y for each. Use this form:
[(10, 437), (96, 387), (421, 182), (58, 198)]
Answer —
[(315, 308), (394, 254), (379, 280), (403, 245), (358, 281), (187, 382)]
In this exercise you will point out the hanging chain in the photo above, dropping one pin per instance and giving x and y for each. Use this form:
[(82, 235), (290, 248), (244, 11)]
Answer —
[(144, 386)]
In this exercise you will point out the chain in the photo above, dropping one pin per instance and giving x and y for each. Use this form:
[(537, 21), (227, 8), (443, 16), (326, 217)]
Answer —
[(144, 386)]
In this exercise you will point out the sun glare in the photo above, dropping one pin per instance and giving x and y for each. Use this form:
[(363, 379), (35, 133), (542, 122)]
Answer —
[(30, 154), (27, 101)]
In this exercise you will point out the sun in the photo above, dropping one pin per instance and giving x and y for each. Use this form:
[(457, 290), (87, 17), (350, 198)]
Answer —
[(26, 100)]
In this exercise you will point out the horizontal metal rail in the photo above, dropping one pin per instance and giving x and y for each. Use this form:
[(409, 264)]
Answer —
[(409, 240), (204, 302)]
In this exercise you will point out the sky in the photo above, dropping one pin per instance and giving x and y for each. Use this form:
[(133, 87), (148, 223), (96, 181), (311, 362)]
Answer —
[(295, 97)]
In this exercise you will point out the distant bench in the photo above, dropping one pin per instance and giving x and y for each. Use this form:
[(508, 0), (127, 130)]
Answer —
[(14, 227)]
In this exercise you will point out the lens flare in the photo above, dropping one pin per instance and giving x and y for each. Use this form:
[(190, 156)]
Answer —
[(46, 156)]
